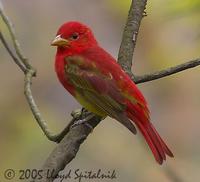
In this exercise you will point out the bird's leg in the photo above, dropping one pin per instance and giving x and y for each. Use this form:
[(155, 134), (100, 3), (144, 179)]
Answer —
[(84, 121), (83, 118), (84, 113)]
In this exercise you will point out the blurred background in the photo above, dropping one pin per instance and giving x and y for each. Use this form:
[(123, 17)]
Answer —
[(169, 35)]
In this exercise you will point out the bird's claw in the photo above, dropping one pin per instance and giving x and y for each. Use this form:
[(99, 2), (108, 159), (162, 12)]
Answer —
[(76, 114), (84, 121)]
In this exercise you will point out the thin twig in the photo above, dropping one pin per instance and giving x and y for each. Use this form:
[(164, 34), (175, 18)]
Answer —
[(28, 93), (167, 72), (29, 72), (16, 60), (16, 44), (36, 112)]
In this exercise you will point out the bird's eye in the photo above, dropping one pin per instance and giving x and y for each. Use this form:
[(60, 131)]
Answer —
[(74, 36)]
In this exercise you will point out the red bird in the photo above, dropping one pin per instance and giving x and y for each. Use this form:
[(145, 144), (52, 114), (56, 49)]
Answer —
[(94, 78)]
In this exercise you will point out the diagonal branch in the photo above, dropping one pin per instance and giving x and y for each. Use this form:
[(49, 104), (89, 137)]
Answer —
[(16, 60), (67, 149), (167, 72), (16, 44)]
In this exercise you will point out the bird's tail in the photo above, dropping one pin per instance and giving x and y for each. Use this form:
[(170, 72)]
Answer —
[(153, 139), (155, 142)]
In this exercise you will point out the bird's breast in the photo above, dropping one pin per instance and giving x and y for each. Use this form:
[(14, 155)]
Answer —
[(60, 65)]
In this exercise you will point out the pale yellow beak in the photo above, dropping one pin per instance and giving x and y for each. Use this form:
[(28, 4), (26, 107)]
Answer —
[(59, 41)]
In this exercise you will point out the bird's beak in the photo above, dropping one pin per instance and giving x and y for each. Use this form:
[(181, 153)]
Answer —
[(59, 41)]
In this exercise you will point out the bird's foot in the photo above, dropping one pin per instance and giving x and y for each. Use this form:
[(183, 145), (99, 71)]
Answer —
[(77, 114), (84, 121)]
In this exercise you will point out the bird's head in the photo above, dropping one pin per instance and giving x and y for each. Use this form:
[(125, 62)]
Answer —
[(74, 36)]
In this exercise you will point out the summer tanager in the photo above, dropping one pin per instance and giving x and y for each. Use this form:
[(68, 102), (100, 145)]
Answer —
[(99, 84)]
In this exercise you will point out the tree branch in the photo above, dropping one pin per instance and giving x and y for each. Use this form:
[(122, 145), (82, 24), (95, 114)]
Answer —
[(29, 72), (16, 60), (67, 149), (166, 72), (129, 38), (16, 44)]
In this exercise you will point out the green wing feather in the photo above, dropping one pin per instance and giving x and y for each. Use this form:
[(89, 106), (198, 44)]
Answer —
[(97, 89)]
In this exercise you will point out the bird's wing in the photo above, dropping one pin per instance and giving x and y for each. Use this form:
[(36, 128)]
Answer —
[(97, 88), (128, 89)]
